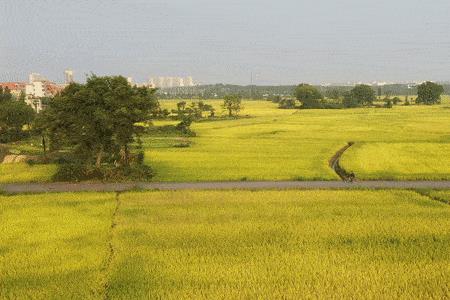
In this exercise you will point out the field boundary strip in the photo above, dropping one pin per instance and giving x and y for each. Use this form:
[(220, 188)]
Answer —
[(334, 164), (111, 249), (33, 188), (426, 193)]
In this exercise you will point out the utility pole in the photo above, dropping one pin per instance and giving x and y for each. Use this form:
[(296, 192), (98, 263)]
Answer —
[(251, 85)]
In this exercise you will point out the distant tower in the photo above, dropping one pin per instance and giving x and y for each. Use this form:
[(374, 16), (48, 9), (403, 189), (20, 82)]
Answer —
[(68, 76)]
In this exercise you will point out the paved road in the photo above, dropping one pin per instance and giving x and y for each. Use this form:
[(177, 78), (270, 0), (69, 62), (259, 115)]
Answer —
[(239, 185)]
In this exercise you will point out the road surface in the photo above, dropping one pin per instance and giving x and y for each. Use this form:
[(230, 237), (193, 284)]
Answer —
[(233, 185)]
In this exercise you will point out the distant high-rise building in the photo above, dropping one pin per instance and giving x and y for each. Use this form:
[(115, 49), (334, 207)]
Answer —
[(68, 76), (170, 82), (188, 81), (36, 77)]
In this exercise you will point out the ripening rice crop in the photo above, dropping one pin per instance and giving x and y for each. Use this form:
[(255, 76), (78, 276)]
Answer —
[(276, 144), (399, 161), (281, 245), (22, 172), (54, 246)]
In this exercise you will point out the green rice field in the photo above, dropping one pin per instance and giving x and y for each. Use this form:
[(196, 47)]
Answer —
[(226, 245)]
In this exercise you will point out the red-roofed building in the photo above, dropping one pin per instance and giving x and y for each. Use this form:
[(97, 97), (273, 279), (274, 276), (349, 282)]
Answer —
[(14, 87)]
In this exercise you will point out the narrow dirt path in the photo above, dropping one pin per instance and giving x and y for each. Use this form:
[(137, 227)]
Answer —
[(334, 164)]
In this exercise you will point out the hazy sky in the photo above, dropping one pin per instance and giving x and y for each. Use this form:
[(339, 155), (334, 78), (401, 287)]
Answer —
[(283, 42)]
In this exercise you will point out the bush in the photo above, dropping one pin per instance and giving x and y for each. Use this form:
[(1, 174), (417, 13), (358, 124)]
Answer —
[(388, 104), (77, 172), (70, 172), (286, 104)]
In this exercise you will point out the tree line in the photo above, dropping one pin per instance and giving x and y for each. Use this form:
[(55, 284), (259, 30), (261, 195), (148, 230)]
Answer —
[(310, 97), (218, 91)]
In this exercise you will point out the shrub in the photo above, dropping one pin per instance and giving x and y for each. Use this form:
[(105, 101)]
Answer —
[(286, 104)]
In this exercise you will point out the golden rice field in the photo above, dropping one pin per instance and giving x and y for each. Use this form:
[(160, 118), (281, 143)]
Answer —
[(276, 144), (394, 161), (226, 245), (22, 172), (54, 246), (272, 144)]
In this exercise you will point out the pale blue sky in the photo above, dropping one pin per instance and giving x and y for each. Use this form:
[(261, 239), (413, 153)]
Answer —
[(284, 42)]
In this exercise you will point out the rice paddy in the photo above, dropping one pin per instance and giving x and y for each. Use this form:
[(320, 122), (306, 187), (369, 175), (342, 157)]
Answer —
[(54, 246), (405, 142), (400, 143), (227, 245)]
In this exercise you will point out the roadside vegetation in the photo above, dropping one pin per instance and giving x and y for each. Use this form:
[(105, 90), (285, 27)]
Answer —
[(242, 244)]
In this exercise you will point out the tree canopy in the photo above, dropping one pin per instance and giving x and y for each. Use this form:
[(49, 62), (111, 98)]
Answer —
[(360, 95), (14, 115), (429, 93), (232, 103), (308, 95), (97, 120)]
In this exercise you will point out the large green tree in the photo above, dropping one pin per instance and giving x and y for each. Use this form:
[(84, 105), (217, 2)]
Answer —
[(309, 96), (97, 120), (360, 95), (429, 93)]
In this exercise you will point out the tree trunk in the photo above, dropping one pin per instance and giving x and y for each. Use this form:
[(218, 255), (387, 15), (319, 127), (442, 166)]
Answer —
[(44, 145), (125, 155), (98, 161)]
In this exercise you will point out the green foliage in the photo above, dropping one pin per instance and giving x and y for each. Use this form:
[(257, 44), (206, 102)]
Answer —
[(388, 104), (78, 171), (309, 96), (14, 115), (97, 120), (5, 95), (185, 126), (232, 103), (333, 93), (396, 100), (286, 104), (195, 111), (360, 95), (429, 93)]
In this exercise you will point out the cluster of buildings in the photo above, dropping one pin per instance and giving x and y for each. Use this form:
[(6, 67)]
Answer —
[(170, 82), (37, 89)]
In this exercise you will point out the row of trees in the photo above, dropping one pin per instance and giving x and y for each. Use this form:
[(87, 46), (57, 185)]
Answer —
[(361, 95), (196, 109)]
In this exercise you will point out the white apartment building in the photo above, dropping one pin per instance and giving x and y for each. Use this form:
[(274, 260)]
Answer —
[(35, 89), (170, 82)]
